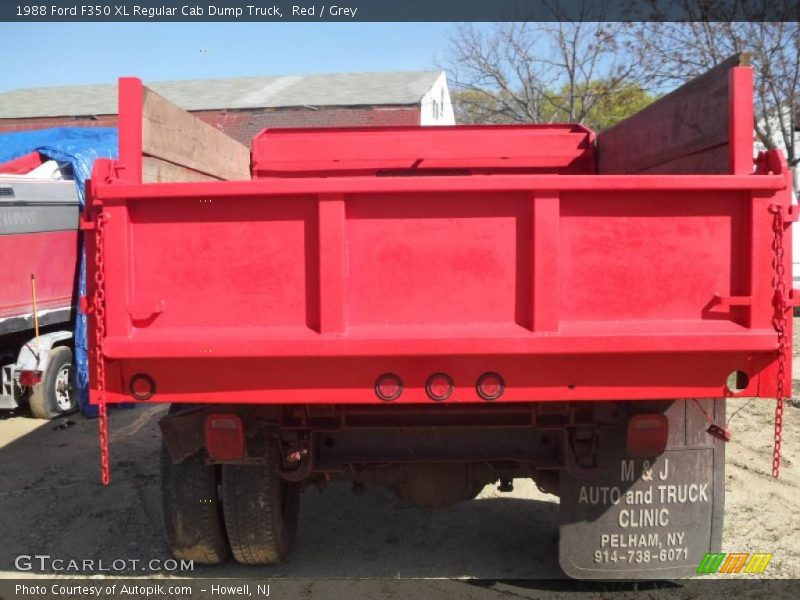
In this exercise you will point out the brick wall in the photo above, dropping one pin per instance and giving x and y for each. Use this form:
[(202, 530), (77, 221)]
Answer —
[(7, 125), (243, 125)]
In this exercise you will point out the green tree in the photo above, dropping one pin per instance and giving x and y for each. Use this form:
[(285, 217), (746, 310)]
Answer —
[(608, 105)]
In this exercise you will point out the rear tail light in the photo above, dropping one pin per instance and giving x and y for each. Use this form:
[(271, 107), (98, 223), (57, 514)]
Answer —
[(388, 387), (29, 378), (142, 387), (647, 435), (224, 437), (439, 386), (490, 386)]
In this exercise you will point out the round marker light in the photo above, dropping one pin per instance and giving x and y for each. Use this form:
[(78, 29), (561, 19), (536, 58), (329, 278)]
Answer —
[(490, 386), (439, 386), (388, 387), (142, 387)]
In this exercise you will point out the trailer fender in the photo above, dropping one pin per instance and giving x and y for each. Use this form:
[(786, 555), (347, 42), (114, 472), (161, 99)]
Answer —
[(35, 354)]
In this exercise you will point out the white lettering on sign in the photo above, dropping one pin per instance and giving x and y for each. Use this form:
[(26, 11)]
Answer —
[(683, 493), (593, 494), (639, 496), (655, 499), (627, 470), (644, 517), (632, 540), (673, 539)]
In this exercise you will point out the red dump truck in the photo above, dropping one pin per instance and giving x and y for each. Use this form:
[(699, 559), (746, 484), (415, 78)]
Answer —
[(439, 309)]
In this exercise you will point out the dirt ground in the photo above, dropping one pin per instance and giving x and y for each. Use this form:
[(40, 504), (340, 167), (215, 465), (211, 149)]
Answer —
[(51, 502)]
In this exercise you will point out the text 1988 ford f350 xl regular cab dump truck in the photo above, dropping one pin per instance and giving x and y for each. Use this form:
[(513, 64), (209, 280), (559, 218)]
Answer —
[(440, 309)]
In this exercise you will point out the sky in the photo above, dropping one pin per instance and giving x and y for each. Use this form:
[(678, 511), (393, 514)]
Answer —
[(50, 54)]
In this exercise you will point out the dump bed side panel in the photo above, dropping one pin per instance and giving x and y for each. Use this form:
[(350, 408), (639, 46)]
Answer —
[(704, 126)]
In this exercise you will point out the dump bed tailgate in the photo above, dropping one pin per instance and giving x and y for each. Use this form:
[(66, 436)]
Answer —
[(584, 287)]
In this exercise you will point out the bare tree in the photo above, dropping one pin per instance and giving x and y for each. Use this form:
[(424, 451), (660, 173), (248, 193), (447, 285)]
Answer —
[(676, 52), (539, 72)]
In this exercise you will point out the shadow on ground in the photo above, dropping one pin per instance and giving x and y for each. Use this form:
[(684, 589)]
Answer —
[(52, 503)]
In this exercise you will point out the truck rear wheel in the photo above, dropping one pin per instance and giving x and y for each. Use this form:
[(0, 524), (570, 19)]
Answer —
[(55, 394), (192, 511), (261, 511)]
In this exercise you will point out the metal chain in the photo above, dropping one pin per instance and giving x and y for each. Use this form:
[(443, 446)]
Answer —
[(779, 321), (100, 334)]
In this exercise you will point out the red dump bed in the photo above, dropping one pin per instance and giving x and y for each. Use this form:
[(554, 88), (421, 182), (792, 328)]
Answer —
[(354, 253)]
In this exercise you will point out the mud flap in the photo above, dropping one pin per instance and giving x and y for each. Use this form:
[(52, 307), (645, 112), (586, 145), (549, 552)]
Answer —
[(625, 518)]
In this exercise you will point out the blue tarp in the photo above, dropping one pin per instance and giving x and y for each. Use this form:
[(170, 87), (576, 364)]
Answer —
[(79, 146)]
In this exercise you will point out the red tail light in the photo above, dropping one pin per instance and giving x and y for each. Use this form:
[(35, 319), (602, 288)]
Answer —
[(29, 378), (647, 435), (224, 437), (490, 386), (439, 386), (142, 387), (388, 387)]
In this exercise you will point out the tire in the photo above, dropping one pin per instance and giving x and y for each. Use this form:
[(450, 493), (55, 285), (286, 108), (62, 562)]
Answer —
[(55, 395), (192, 511), (261, 511)]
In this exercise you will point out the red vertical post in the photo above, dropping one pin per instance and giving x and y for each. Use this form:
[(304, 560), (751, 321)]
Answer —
[(331, 225), (130, 95), (741, 122), (545, 211)]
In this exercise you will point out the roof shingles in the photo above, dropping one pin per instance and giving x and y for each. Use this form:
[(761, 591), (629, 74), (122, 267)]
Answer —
[(344, 89)]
